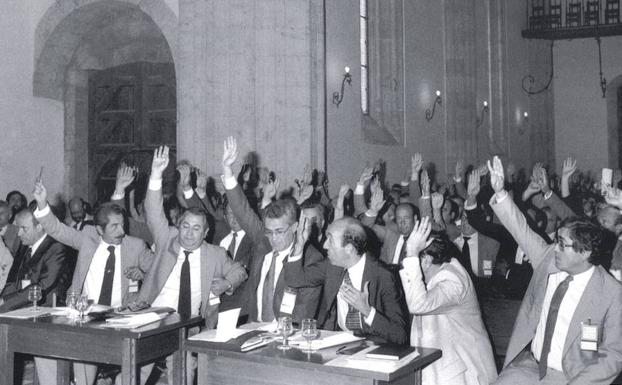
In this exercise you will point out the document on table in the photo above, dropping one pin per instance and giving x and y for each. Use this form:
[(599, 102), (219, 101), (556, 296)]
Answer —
[(225, 331), (326, 340), (359, 361), (27, 312), (133, 321)]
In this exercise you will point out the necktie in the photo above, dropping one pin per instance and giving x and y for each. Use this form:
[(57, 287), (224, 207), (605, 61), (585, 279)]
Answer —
[(465, 259), (353, 318), (231, 249), (267, 302), (75, 225), (105, 295), (403, 250), (551, 319), (184, 302)]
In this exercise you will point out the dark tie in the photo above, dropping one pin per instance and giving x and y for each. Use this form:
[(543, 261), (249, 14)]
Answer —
[(231, 249), (403, 250), (465, 256), (353, 318), (105, 295), (75, 226), (184, 302), (551, 319), (267, 301)]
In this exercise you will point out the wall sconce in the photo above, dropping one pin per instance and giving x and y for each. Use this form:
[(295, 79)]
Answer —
[(526, 115), (429, 114), (522, 127), (338, 96), (480, 120)]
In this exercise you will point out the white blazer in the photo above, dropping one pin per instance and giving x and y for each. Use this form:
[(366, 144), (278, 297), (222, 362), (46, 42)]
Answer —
[(447, 317)]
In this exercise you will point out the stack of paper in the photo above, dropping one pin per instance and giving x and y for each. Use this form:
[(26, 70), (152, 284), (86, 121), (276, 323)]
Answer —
[(132, 321), (327, 340)]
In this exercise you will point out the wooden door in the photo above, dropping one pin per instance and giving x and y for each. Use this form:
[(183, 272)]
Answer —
[(132, 110)]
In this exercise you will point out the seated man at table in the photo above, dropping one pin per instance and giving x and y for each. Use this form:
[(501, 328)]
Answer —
[(359, 294), (108, 264), (188, 274)]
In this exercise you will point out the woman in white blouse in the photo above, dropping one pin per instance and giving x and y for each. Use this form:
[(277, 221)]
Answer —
[(440, 295)]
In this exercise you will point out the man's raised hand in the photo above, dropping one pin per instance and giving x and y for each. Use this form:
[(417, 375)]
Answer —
[(184, 175), (366, 175), (125, 177), (416, 164), (496, 174), (160, 162), (418, 239), (230, 153), (473, 187), (41, 194), (569, 167)]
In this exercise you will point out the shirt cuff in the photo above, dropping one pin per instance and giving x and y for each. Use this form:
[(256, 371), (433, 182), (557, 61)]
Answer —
[(457, 180), (359, 190), (548, 195), (294, 258), (41, 213), (371, 213), (201, 193), (229, 182), (188, 193), (370, 318), (405, 183), (470, 207), (155, 184), (117, 197), (501, 195), (425, 197)]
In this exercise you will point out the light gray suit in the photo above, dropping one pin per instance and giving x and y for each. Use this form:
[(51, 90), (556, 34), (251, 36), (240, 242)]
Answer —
[(601, 302)]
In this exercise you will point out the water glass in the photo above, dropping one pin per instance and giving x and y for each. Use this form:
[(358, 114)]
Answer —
[(82, 305), (34, 296), (286, 328), (309, 332)]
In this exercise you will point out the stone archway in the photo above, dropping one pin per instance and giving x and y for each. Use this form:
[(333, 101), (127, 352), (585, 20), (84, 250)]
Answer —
[(76, 37)]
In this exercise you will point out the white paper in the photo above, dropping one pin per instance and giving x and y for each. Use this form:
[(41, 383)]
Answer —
[(359, 361), (227, 321), (339, 338), (132, 321), (212, 336)]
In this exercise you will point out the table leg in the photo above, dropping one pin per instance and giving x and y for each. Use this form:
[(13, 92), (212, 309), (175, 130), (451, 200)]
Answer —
[(179, 360), (63, 372), (129, 370), (6, 357), (418, 377)]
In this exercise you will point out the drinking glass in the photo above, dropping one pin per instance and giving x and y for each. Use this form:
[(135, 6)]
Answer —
[(34, 296), (309, 332), (82, 305), (285, 328), (72, 300)]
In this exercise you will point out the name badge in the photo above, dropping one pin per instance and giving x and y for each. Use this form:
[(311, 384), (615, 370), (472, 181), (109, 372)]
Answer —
[(589, 336), (288, 302), (133, 286), (25, 283), (213, 299)]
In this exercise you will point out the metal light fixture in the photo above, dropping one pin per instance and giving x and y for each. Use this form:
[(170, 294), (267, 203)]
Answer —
[(338, 96), (429, 114), (522, 127), (480, 120), (526, 115)]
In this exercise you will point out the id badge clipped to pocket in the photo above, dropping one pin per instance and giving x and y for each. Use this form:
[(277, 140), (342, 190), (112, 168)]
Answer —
[(288, 302), (589, 336)]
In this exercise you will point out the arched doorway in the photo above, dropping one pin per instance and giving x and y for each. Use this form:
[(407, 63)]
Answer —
[(112, 66)]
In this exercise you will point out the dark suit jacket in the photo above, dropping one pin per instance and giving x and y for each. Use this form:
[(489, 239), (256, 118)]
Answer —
[(215, 263), (243, 256), (11, 240), (307, 299), (44, 267), (391, 319)]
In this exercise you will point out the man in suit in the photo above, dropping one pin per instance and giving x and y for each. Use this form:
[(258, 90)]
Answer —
[(79, 216), (8, 231), (564, 304), (393, 242), (109, 263), (188, 274), (359, 294), (268, 295), (6, 261), (41, 260)]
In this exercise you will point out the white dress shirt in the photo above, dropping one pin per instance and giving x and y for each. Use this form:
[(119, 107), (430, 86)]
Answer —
[(95, 275), (226, 241), (36, 245), (169, 296), (278, 267), (356, 276), (398, 249), (564, 316)]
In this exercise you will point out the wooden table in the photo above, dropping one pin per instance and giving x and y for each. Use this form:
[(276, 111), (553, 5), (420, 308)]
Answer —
[(66, 339), (269, 365)]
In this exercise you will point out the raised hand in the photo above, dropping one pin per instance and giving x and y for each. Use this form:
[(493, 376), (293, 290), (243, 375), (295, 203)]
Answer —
[(343, 190), (366, 175), (184, 176), (230, 153), (496, 174), (270, 190), (425, 183), (569, 167), (305, 193), (125, 177), (160, 162), (416, 164), (419, 237), (201, 180), (613, 196), (474, 186), (543, 180), (459, 170), (483, 169), (375, 184), (377, 201), (307, 176), (41, 194), (437, 200), (303, 231)]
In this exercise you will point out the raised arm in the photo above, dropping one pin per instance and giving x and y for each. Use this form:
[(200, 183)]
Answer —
[(51, 225), (568, 168), (551, 199), (154, 209), (359, 191)]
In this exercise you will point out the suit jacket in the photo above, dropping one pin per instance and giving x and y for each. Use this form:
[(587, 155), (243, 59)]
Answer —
[(215, 263), (134, 252), (387, 236), (447, 317), (307, 299), (243, 256), (6, 262), (579, 366), (389, 324), (44, 267), (10, 238)]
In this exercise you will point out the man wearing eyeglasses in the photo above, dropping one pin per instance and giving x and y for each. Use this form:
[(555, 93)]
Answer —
[(569, 327), (268, 296)]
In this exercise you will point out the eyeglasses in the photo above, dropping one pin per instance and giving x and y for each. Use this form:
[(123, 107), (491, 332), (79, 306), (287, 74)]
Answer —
[(560, 242), (276, 233)]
